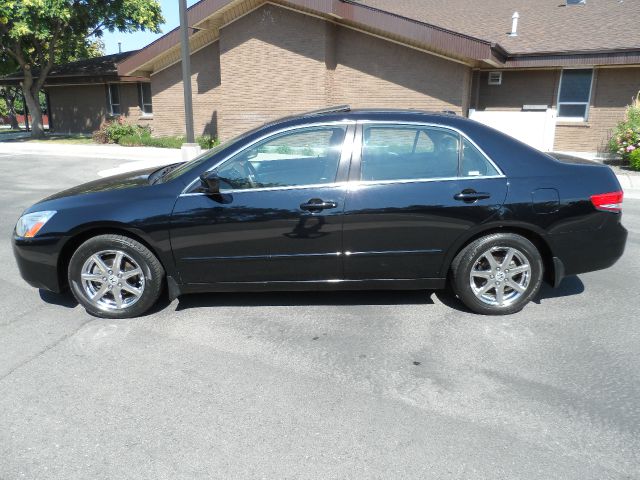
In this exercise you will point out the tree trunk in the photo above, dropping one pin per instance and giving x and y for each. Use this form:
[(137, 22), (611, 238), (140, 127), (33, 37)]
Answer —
[(12, 94), (13, 119), (9, 94), (33, 105)]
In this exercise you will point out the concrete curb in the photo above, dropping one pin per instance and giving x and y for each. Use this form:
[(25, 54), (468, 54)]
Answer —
[(630, 185), (629, 181)]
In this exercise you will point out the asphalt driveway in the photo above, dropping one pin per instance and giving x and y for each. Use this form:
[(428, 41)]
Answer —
[(315, 385)]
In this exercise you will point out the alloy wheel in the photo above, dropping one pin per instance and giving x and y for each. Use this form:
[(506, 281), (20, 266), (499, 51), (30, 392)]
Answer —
[(112, 280), (500, 276)]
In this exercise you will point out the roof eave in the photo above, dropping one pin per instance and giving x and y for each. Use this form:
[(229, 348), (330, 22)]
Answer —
[(431, 37)]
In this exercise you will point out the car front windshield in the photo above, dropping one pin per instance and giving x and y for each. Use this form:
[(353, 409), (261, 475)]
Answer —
[(202, 158)]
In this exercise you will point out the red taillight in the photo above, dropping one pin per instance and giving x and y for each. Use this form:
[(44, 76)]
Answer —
[(608, 202)]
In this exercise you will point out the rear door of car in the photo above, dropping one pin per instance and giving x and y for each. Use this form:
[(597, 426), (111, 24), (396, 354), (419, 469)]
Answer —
[(413, 190)]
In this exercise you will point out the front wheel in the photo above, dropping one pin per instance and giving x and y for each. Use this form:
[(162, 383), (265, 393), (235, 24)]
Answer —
[(497, 274), (114, 276)]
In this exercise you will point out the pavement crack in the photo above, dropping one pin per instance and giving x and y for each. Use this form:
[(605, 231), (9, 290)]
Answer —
[(30, 359)]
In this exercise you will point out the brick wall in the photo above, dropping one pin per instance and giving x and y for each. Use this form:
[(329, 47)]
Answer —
[(168, 96), (83, 108), (273, 64), (613, 90), (518, 88), (371, 72), (77, 108)]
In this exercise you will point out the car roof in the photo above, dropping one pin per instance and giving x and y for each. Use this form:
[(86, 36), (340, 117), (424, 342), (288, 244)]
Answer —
[(344, 112), (512, 156)]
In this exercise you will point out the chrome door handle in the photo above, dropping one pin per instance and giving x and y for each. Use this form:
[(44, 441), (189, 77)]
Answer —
[(316, 204), (469, 196)]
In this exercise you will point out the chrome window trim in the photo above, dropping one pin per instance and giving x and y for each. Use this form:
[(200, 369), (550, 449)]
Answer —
[(356, 184), (442, 127), (185, 191), (353, 183), (271, 189)]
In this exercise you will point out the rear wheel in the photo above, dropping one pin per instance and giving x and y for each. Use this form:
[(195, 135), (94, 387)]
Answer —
[(497, 274), (114, 276)]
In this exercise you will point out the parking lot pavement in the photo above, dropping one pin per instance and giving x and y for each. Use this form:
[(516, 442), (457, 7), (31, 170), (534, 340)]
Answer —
[(315, 385)]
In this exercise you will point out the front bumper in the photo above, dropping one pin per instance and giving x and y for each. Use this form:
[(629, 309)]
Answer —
[(37, 260)]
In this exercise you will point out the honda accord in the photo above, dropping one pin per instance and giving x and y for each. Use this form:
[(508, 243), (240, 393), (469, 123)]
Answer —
[(332, 199)]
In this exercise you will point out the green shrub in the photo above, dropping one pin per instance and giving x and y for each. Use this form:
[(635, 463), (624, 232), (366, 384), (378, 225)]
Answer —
[(206, 142), (626, 137), (634, 159), (100, 136), (116, 130), (113, 131), (130, 135), (146, 140)]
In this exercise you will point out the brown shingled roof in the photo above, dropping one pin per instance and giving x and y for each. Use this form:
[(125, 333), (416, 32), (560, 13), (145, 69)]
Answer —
[(600, 32), (105, 67), (544, 25)]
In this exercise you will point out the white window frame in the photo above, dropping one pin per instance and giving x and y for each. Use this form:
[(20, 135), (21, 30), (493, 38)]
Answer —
[(498, 82), (586, 104), (144, 101), (111, 104)]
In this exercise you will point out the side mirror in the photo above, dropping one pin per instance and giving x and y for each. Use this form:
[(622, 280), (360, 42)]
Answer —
[(210, 183)]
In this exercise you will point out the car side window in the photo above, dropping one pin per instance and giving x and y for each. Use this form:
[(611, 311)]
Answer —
[(303, 157), (401, 152), (474, 163)]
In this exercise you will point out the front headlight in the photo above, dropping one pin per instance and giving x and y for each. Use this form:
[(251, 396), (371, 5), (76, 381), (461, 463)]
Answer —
[(30, 224)]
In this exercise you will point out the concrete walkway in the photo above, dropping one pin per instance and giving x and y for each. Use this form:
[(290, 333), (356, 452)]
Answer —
[(134, 158), (98, 151)]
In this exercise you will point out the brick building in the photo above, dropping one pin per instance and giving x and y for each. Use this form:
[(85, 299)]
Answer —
[(256, 60)]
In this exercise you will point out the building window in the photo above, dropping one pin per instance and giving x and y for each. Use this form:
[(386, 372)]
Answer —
[(144, 92), (575, 94), (114, 99)]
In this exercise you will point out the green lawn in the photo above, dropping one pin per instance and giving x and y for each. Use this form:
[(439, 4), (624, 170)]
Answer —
[(60, 139), (70, 139)]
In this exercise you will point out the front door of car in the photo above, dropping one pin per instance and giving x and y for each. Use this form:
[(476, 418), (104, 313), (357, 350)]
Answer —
[(414, 190), (278, 216)]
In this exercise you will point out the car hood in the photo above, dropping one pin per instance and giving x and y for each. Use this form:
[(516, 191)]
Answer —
[(123, 181)]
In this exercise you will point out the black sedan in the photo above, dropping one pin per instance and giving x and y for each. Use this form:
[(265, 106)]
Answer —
[(334, 199)]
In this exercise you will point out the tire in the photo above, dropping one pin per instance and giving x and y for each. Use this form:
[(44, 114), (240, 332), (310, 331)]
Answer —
[(109, 292), (481, 292)]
